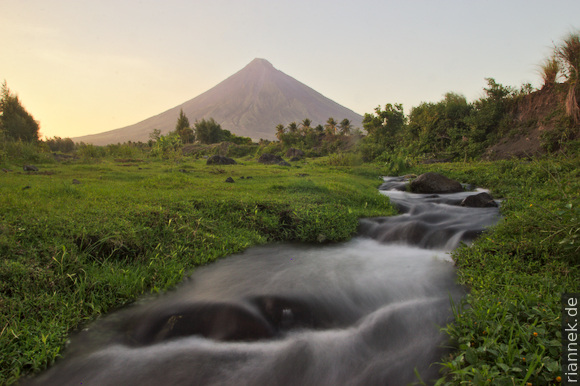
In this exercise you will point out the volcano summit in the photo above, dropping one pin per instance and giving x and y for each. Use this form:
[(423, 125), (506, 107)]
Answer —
[(249, 103)]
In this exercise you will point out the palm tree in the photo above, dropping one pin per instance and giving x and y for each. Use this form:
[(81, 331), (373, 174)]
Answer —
[(330, 126), (292, 127), (280, 131), (345, 127), (305, 126)]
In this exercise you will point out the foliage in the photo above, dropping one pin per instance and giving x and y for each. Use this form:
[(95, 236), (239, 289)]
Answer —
[(440, 127), (385, 126), (208, 131), (550, 71), (167, 146), (64, 145), (20, 152), (569, 54), (15, 122), (508, 329), (183, 129)]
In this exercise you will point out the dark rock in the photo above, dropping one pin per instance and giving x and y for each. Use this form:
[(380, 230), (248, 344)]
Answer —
[(295, 159), (76, 182), (26, 187), (434, 183), (216, 321), (249, 177), (30, 168), (294, 153), (220, 160), (242, 177), (230, 179), (284, 163), (481, 200), (270, 159)]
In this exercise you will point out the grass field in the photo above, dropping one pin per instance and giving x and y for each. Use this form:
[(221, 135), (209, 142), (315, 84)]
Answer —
[(78, 240)]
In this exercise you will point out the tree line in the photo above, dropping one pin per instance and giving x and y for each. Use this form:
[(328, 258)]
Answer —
[(452, 127)]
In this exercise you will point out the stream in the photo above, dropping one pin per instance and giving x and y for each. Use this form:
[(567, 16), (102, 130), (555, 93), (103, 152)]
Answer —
[(362, 312)]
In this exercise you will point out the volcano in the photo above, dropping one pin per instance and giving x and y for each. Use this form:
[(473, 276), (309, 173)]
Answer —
[(249, 103)]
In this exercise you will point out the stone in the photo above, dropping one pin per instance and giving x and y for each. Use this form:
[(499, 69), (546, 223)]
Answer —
[(30, 168), (434, 183), (270, 159), (230, 180), (220, 160), (284, 163), (481, 200), (76, 182)]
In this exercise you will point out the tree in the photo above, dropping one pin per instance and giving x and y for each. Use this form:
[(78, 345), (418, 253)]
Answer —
[(330, 126), (292, 127), (15, 122), (385, 125), (345, 127), (305, 126), (208, 131), (183, 129), (280, 131)]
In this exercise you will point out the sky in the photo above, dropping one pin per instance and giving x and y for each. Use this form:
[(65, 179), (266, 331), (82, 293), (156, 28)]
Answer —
[(84, 67)]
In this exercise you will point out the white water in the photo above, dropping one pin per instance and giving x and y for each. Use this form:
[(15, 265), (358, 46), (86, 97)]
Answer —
[(363, 312)]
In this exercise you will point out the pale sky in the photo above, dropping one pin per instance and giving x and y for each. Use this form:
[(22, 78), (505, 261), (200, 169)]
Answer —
[(85, 66)]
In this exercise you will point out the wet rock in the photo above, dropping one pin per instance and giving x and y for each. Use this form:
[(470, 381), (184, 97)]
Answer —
[(220, 160), (481, 200), (30, 168), (434, 183), (217, 321), (230, 179)]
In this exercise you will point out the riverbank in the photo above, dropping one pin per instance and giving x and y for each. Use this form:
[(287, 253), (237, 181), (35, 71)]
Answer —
[(79, 240), (509, 329)]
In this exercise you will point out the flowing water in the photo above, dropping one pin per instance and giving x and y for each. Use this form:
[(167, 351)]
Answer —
[(363, 312)]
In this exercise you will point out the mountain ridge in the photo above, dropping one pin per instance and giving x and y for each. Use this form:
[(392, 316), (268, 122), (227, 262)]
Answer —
[(250, 103)]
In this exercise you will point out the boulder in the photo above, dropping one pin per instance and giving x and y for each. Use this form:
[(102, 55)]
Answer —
[(220, 160), (434, 183), (30, 168), (270, 159), (230, 179), (481, 200)]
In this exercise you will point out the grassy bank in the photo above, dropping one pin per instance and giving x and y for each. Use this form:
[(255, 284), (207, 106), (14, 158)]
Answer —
[(78, 240), (508, 331)]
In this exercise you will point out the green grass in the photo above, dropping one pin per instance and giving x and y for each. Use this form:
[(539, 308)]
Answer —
[(71, 252), (508, 330)]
